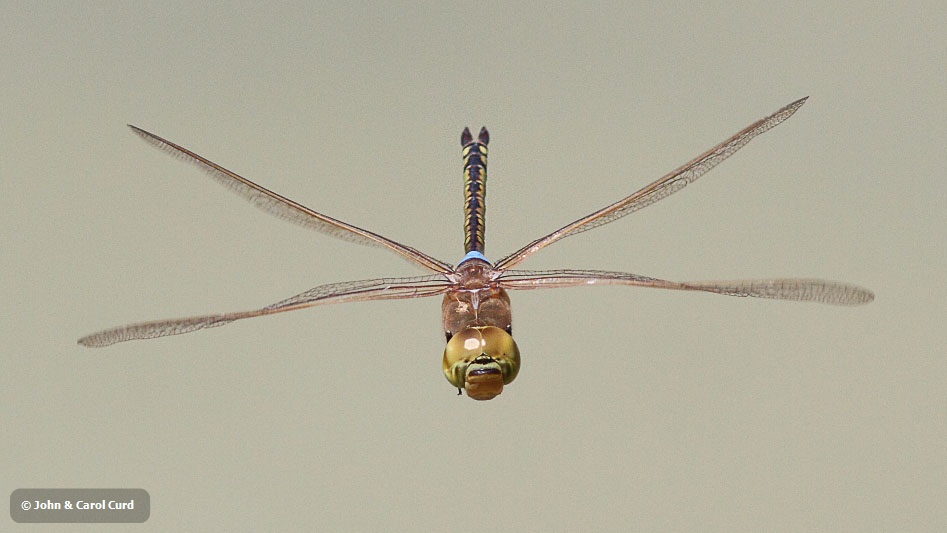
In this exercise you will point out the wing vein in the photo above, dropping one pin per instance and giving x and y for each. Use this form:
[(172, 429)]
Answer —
[(659, 189), (332, 293), (282, 207), (797, 289)]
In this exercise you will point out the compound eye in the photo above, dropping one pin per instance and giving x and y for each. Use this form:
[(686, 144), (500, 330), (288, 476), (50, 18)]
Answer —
[(481, 360)]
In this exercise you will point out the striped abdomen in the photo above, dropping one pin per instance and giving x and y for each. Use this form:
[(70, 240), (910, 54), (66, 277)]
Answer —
[(475, 188)]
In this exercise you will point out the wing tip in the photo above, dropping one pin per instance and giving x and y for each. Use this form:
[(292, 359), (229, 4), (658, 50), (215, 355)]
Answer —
[(864, 296), (144, 134), (795, 105), (89, 341)]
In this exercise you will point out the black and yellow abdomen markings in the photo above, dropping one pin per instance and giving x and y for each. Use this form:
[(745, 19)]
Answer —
[(475, 188)]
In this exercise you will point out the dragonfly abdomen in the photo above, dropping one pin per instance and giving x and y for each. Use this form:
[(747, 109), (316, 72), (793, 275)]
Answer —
[(475, 188)]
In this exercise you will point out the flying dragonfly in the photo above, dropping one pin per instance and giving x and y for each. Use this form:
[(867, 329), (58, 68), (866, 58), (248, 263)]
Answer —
[(481, 355)]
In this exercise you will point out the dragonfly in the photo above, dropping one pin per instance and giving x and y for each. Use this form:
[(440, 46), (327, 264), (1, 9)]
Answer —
[(480, 356)]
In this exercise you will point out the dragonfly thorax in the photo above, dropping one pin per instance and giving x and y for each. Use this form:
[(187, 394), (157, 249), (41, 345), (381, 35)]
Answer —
[(475, 299)]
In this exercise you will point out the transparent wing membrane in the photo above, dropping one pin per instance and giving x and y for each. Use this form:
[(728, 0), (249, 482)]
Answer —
[(804, 290), (658, 190), (476, 286), (287, 209), (333, 293)]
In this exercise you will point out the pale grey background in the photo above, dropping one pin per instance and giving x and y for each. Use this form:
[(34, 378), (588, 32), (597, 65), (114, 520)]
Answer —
[(635, 409)]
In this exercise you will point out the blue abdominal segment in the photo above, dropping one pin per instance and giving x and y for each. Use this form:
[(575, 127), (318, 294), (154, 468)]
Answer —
[(473, 254)]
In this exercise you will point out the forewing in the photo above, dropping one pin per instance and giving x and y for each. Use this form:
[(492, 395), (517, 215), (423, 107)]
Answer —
[(332, 293), (806, 290)]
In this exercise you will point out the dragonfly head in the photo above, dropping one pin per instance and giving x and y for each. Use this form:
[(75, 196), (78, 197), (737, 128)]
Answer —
[(481, 359)]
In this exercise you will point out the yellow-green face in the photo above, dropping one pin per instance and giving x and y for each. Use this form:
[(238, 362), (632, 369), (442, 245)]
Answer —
[(480, 360)]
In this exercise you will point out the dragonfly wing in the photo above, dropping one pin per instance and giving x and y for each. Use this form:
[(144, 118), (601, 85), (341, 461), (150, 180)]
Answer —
[(658, 190), (333, 293), (807, 290), (285, 208)]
